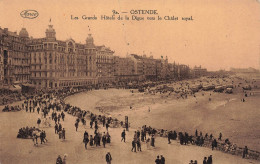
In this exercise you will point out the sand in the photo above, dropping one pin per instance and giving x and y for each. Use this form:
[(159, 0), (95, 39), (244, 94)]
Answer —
[(225, 113)]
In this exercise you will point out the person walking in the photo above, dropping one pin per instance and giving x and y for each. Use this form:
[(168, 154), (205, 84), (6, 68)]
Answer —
[(107, 125), (152, 141), (133, 145), (245, 152), (91, 140), (56, 128), (64, 159), (59, 160), (209, 161), (148, 143), (42, 137), (108, 158), (86, 140), (220, 136), (91, 124), (96, 139), (214, 144), (138, 143), (104, 140), (62, 115), (169, 137), (60, 127), (63, 133), (123, 136), (158, 161), (77, 125), (39, 122), (108, 138), (205, 160), (38, 110), (162, 159)]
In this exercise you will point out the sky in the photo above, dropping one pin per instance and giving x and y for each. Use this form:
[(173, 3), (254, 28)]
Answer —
[(222, 34)]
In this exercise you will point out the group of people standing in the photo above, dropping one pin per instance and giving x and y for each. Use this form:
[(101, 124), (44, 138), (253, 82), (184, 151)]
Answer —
[(97, 139), (160, 160)]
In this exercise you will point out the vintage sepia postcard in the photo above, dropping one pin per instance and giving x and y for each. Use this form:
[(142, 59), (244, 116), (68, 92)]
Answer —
[(129, 82)]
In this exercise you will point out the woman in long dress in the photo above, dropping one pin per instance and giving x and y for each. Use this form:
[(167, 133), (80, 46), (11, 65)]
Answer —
[(148, 143), (64, 159)]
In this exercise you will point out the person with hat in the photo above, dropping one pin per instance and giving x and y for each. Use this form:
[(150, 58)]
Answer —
[(162, 159), (59, 160), (108, 158), (123, 136), (158, 161)]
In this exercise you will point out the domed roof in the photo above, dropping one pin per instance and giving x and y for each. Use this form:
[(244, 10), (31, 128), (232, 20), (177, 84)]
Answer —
[(50, 29), (90, 39), (23, 33)]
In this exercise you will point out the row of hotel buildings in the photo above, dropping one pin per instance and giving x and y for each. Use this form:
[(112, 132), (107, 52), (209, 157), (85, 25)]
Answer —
[(51, 63)]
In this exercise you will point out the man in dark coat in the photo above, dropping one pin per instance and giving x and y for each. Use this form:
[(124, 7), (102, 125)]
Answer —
[(77, 125), (139, 148), (169, 137), (158, 161), (123, 136), (209, 161), (104, 140), (56, 128), (108, 158), (133, 146), (162, 159), (86, 140), (152, 141), (104, 122), (107, 125), (214, 144), (205, 160), (62, 115), (245, 152), (91, 124), (63, 133), (96, 139), (39, 122), (42, 137)]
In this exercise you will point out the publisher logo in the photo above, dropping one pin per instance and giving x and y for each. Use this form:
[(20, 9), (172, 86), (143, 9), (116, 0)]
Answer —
[(30, 14)]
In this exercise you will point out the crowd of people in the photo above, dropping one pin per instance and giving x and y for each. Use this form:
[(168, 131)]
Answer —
[(8, 108), (27, 132), (45, 103), (8, 96)]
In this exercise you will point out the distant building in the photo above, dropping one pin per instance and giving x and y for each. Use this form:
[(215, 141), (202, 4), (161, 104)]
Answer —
[(138, 66), (244, 70), (162, 69), (145, 67), (14, 62), (105, 64), (199, 71), (124, 69), (183, 71)]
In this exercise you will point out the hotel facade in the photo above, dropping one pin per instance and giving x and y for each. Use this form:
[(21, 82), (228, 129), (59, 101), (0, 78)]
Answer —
[(49, 63)]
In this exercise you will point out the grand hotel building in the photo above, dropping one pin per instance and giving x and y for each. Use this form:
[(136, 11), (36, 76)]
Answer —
[(57, 64), (48, 62)]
